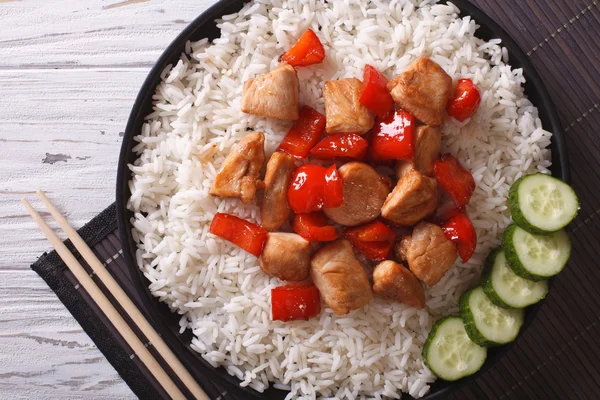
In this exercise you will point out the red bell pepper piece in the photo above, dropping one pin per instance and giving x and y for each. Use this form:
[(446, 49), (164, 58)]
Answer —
[(333, 196), (340, 145), (374, 240), (295, 302), (307, 51), (304, 134), (314, 227), (392, 138), (305, 193), (454, 179), (465, 101), (244, 234), (460, 230), (375, 94), (314, 187)]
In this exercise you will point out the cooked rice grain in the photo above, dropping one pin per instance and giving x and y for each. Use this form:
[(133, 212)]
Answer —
[(218, 289)]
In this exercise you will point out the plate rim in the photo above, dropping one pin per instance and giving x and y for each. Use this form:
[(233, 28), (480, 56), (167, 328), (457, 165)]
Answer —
[(138, 112)]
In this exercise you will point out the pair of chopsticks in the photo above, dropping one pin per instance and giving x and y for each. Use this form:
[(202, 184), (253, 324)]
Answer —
[(109, 310)]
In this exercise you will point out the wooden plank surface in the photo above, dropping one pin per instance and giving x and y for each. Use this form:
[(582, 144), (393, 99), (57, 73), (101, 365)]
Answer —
[(68, 76), (69, 72)]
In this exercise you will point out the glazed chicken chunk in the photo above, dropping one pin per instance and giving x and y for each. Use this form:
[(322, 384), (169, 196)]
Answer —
[(414, 197), (395, 282), (428, 252), (344, 111), (286, 256), (364, 193), (340, 277), (274, 209), (423, 90), (428, 144), (273, 95), (241, 169)]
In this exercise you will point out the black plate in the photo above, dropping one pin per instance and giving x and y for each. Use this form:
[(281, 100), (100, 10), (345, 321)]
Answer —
[(204, 26)]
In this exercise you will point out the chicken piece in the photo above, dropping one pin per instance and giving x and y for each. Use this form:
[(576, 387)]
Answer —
[(364, 193), (286, 256), (397, 283), (273, 95), (414, 198), (428, 145), (428, 252), (274, 209), (341, 279), (241, 169), (344, 112), (423, 90)]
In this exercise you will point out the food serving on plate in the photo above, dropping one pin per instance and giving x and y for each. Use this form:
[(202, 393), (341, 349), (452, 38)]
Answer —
[(321, 183)]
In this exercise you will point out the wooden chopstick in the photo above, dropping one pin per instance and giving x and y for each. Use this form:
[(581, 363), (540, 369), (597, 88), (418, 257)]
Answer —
[(107, 308), (121, 297), (125, 302)]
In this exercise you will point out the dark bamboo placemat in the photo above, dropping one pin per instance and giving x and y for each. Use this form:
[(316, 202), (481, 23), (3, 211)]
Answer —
[(558, 357)]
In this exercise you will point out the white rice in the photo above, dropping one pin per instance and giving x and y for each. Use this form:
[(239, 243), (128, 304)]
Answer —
[(218, 289)]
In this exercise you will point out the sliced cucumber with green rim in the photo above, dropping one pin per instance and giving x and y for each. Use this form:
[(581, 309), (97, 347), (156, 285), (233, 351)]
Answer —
[(486, 323), (505, 288), (541, 203), (536, 257), (449, 353)]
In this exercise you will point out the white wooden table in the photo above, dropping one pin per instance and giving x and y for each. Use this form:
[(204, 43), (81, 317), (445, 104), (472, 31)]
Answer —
[(69, 73)]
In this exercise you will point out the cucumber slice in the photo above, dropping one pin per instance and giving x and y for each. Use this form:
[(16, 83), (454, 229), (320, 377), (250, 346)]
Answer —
[(505, 288), (536, 257), (486, 323), (541, 203), (449, 353)]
